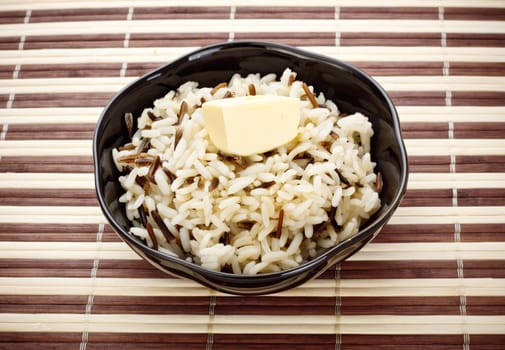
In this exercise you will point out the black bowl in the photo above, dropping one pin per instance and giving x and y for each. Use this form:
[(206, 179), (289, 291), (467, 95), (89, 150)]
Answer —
[(351, 89)]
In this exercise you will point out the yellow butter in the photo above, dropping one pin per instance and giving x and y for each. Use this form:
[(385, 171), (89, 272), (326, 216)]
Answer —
[(251, 124)]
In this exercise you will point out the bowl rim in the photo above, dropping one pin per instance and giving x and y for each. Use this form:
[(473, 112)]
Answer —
[(362, 235)]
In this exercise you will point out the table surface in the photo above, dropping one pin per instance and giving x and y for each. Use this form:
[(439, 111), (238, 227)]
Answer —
[(434, 278)]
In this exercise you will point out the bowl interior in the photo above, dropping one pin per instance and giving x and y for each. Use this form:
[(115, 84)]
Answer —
[(349, 88)]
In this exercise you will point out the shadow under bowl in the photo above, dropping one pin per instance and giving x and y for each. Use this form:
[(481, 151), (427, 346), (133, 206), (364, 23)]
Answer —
[(352, 91)]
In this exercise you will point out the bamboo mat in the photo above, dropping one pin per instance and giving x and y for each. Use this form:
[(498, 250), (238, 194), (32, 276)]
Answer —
[(433, 279)]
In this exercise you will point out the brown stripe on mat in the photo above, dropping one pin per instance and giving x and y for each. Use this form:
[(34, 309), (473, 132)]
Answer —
[(428, 198), (485, 305), (475, 40), (73, 99), (123, 269), (74, 15), (137, 69), (400, 68), (50, 164), (416, 233), (40, 340), (274, 341), (9, 43), (478, 98), (481, 196), (411, 98), (399, 305), (484, 268), (69, 70), (402, 341), (103, 304), (181, 12), (274, 305), (295, 39), (10, 17), (399, 269), (479, 130), (389, 39), (482, 232), (484, 164), (50, 131), (54, 233), (47, 197), (416, 13), (6, 71), (151, 341), (474, 14), (284, 12), (418, 130), (477, 68), (175, 39), (74, 41), (43, 304), (45, 268), (429, 164)]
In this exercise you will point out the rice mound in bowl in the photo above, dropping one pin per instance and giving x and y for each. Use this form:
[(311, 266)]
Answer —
[(247, 215)]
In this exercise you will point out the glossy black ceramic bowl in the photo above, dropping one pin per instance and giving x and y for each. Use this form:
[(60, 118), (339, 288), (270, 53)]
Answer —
[(351, 89)]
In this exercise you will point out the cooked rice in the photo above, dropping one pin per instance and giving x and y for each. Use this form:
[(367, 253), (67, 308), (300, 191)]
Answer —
[(223, 210)]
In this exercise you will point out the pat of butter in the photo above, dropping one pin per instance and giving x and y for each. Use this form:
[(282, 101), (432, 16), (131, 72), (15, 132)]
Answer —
[(251, 124)]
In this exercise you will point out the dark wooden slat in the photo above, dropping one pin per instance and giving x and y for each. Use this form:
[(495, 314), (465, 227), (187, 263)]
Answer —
[(12, 17), (481, 197), (493, 305), (478, 98), (437, 164), (420, 130), (69, 70), (51, 164), (482, 232), (296, 39), (410, 98), (475, 40), (423, 198), (389, 39), (47, 197), (74, 41), (284, 12), (470, 164), (51, 132), (43, 304), (74, 15), (400, 68), (416, 13), (416, 233), (55, 233), (477, 68), (103, 304), (9, 43), (479, 130), (484, 268), (400, 305), (137, 69), (6, 71), (98, 99), (399, 269), (268, 305), (181, 12), (474, 14), (176, 40), (394, 341)]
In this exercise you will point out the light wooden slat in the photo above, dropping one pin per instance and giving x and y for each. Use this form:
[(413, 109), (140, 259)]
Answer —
[(408, 114), (316, 288), (114, 84), (9, 5), (416, 180), (167, 54), (415, 147), (251, 324), (371, 252), (252, 25)]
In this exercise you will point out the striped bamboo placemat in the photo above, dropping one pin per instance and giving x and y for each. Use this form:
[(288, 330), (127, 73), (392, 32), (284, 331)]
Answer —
[(433, 279)]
